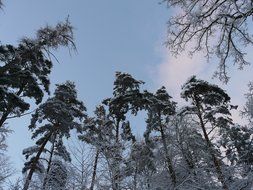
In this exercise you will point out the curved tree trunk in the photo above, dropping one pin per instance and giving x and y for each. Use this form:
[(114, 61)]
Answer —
[(35, 161), (215, 160), (49, 163), (94, 171)]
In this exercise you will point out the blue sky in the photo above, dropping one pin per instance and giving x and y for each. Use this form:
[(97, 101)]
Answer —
[(111, 35)]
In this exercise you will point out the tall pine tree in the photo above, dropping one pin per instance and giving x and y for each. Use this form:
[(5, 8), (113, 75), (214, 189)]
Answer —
[(211, 106), (52, 121), (24, 69), (160, 108)]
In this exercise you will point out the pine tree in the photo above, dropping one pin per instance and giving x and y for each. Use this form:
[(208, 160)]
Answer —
[(192, 154), (127, 98), (160, 109), (98, 131), (211, 106), (57, 176), (238, 143), (139, 164), (237, 140), (24, 69), (109, 130), (94, 173), (51, 122)]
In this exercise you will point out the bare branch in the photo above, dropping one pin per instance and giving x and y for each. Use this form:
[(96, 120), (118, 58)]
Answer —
[(216, 27)]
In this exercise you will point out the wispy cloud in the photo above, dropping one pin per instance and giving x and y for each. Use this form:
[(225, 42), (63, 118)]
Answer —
[(173, 71)]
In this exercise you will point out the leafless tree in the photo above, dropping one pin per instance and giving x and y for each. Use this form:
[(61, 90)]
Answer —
[(5, 166), (217, 27), (80, 168), (5, 169)]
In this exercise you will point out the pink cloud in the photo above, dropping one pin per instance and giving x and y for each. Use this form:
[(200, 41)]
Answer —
[(174, 71)]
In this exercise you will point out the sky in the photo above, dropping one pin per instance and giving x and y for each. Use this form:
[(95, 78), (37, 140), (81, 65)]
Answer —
[(110, 35)]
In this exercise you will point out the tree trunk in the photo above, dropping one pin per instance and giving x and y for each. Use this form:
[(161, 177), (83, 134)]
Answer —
[(116, 173), (168, 160), (49, 163), (135, 178), (35, 161), (94, 171), (211, 151), (117, 130)]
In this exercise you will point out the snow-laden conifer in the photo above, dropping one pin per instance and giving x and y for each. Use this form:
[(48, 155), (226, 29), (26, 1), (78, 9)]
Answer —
[(210, 104), (160, 108), (25, 68), (51, 122)]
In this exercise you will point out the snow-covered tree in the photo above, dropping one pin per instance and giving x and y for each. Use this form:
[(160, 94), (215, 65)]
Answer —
[(238, 144), (57, 176), (6, 169), (215, 27), (160, 108), (15, 184), (193, 158), (248, 108), (80, 169), (52, 121), (210, 104), (109, 131), (3, 134), (99, 132), (126, 99), (140, 165), (24, 69)]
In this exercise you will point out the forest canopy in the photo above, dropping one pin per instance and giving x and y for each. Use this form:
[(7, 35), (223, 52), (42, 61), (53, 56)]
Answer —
[(195, 146)]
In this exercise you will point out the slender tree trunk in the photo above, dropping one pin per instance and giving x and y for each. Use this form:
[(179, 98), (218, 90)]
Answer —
[(49, 163), (117, 130), (188, 157), (116, 173), (35, 161), (189, 162), (135, 178), (94, 171), (168, 160), (216, 161)]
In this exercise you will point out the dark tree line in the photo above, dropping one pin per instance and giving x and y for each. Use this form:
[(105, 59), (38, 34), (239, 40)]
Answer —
[(193, 147)]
